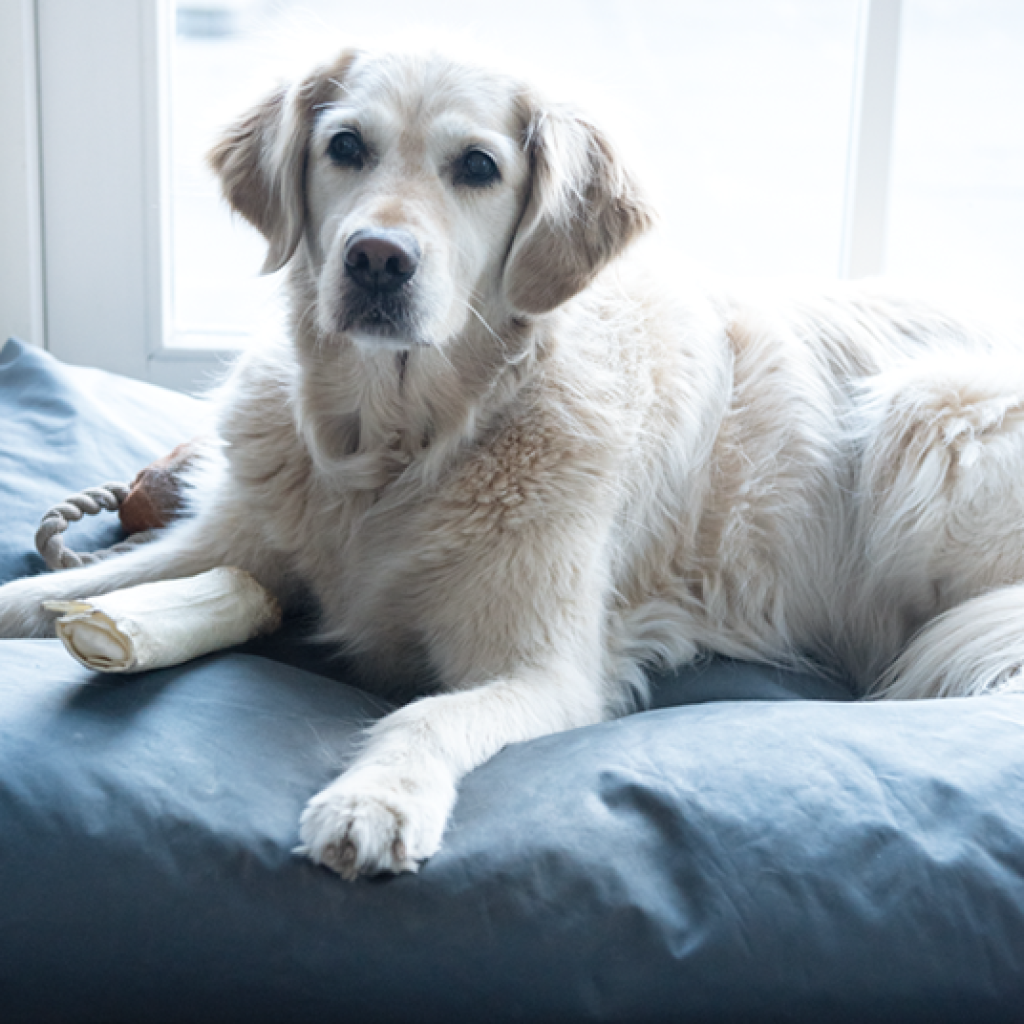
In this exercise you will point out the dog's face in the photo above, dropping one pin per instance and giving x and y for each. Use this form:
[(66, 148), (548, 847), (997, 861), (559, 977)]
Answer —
[(425, 194), (414, 181)]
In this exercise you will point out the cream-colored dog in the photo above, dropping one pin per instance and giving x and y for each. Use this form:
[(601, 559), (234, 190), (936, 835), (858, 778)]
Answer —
[(502, 458)]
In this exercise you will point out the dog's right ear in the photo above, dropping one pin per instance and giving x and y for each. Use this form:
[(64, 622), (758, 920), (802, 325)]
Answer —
[(261, 162)]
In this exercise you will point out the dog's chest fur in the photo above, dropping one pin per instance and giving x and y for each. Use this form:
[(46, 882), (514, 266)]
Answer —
[(406, 515)]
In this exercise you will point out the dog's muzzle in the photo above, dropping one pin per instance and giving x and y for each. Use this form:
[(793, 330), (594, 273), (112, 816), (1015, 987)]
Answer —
[(381, 261)]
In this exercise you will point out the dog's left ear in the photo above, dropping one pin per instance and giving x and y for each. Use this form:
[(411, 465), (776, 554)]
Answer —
[(583, 209), (261, 162)]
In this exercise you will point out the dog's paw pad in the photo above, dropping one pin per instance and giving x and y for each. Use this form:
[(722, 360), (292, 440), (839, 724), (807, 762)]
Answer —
[(341, 857)]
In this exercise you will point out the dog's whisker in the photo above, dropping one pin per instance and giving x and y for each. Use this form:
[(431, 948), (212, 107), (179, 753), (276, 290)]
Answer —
[(490, 330)]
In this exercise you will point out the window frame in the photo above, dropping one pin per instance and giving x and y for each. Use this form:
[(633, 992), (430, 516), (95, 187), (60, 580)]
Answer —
[(21, 247), (91, 96)]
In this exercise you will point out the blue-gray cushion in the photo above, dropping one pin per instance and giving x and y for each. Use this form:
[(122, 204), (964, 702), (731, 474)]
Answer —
[(741, 853)]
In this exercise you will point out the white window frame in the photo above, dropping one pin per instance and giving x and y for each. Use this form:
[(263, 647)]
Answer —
[(83, 89), (21, 245), (869, 157)]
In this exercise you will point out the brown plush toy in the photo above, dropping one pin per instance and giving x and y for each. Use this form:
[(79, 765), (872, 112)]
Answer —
[(157, 492)]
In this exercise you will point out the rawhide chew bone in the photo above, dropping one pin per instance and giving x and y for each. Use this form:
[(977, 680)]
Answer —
[(161, 624)]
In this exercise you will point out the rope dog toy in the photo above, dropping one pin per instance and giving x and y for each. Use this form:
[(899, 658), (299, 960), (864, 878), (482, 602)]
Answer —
[(50, 535), (150, 502)]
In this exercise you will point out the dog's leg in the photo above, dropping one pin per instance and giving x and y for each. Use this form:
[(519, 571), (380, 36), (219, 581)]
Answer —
[(183, 552), (388, 811), (942, 523), (514, 616), (974, 649), (187, 548)]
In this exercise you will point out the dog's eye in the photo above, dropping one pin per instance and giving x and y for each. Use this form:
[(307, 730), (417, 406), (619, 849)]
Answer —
[(476, 168), (347, 150)]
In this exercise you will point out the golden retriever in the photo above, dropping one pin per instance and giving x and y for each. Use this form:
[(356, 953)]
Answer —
[(502, 456)]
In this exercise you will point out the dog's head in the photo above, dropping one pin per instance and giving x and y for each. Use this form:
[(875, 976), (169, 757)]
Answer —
[(421, 192)]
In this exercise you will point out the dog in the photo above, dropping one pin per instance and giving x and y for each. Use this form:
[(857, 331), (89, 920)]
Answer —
[(502, 456)]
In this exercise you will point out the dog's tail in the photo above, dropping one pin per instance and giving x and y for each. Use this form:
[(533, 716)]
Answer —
[(974, 648)]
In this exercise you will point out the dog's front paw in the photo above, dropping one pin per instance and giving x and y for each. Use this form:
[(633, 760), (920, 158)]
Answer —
[(371, 823), (21, 608)]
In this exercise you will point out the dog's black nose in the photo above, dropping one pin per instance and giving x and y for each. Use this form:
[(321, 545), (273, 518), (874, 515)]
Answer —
[(381, 260)]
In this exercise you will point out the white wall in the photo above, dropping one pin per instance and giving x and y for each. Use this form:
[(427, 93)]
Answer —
[(94, 180), (21, 270)]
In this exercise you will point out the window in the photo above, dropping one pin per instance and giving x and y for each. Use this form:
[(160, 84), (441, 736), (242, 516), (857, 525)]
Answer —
[(737, 115), (957, 198)]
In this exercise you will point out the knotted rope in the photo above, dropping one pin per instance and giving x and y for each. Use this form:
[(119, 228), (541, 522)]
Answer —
[(93, 500)]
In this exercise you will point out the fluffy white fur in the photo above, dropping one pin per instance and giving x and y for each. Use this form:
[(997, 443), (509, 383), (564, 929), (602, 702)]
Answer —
[(547, 470)]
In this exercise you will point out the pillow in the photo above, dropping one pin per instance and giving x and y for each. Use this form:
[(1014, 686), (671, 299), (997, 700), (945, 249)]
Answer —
[(729, 861), (738, 853)]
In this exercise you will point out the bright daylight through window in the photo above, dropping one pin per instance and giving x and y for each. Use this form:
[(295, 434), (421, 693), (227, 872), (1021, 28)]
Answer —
[(735, 114)]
